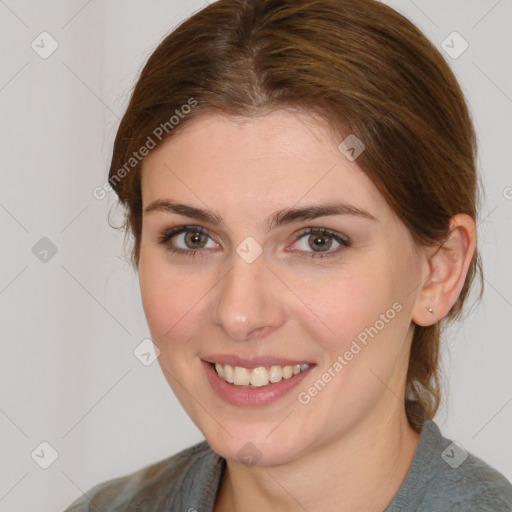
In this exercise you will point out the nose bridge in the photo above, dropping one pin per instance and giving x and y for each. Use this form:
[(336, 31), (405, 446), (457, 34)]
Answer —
[(246, 300)]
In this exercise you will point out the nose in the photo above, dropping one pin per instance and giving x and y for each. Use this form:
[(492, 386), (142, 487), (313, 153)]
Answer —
[(247, 304)]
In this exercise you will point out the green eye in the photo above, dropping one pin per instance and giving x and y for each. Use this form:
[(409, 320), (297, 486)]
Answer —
[(194, 239), (317, 243)]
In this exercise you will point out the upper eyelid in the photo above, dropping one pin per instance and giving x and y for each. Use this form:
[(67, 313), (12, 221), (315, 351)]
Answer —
[(202, 229)]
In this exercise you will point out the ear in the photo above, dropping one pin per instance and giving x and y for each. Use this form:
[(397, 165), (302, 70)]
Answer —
[(446, 267)]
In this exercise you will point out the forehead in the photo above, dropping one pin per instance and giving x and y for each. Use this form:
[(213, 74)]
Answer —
[(269, 162)]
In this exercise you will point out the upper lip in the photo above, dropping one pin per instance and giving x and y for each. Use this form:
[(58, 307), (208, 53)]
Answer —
[(252, 362)]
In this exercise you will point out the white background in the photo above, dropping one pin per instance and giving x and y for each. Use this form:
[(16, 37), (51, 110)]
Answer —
[(69, 326)]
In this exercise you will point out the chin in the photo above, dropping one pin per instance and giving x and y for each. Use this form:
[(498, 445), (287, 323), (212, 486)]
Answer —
[(253, 446)]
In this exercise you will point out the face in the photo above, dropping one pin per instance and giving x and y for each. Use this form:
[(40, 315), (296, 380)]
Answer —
[(329, 281)]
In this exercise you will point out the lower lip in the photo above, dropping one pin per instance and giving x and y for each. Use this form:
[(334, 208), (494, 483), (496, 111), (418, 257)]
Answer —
[(252, 397)]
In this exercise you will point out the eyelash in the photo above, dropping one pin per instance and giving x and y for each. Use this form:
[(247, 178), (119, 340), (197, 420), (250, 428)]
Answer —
[(167, 235)]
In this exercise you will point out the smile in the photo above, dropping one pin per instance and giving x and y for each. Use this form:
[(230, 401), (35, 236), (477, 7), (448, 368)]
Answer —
[(254, 382), (259, 376)]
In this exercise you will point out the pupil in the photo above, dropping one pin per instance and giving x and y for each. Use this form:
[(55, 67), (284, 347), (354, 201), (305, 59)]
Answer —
[(193, 238), (320, 242)]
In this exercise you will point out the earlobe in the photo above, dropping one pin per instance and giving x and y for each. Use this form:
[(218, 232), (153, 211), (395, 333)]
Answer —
[(447, 270)]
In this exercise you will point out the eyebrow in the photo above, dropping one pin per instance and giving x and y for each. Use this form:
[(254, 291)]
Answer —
[(276, 219)]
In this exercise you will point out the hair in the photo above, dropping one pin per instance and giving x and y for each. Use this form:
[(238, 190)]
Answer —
[(361, 66)]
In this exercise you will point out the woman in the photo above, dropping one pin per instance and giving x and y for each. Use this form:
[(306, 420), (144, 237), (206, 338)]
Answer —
[(299, 178)]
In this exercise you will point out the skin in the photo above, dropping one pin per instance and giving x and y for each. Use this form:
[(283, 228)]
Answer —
[(353, 435)]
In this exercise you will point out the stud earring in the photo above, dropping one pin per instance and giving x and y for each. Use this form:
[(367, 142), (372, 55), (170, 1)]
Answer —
[(430, 310)]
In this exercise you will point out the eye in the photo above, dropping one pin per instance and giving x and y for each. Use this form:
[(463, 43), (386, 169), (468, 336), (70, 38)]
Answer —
[(313, 242), (190, 238), (320, 240)]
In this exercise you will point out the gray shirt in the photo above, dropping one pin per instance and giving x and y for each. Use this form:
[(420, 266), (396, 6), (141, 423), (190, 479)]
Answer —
[(443, 477)]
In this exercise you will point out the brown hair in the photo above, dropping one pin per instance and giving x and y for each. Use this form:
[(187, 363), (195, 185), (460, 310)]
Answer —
[(362, 67)]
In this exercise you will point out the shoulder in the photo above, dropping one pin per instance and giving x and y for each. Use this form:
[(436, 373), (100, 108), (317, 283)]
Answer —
[(161, 486), (472, 486), (445, 477)]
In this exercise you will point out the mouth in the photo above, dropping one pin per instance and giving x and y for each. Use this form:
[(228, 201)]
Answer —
[(258, 382), (258, 377)]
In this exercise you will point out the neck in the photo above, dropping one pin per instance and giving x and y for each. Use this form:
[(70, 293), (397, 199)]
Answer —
[(362, 471)]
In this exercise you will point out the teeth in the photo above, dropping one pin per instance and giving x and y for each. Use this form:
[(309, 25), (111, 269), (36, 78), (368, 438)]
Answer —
[(241, 376), (258, 377), (276, 374), (228, 373), (220, 369), (287, 372)]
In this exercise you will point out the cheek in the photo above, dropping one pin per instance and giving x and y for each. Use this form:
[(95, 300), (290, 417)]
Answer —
[(345, 304), (171, 301), (364, 306)]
